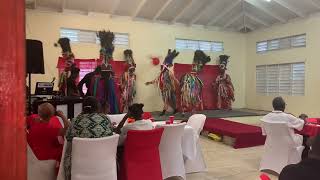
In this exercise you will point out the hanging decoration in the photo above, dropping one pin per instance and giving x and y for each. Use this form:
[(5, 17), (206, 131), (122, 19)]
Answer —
[(155, 61)]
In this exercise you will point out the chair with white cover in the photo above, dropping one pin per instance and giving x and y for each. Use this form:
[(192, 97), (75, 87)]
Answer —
[(63, 108), (171, 156), (77, 109), (197, 164), (40, 170), (116, 118), (197, 121), (280, 147), (94, 158), (61, 175)]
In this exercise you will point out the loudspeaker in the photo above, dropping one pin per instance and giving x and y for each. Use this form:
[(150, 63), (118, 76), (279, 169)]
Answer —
[(34, 57)]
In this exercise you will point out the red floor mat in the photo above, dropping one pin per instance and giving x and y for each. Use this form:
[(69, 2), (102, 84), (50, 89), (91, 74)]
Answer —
[(245, 135)]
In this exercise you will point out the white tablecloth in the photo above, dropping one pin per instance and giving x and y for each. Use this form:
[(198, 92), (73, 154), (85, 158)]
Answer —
[(189, 141)]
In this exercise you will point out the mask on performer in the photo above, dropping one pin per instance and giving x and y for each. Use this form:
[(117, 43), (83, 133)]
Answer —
[(106, 71), (168, 61)]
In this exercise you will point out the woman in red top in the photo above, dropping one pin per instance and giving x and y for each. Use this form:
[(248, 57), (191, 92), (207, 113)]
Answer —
[(43, 134)]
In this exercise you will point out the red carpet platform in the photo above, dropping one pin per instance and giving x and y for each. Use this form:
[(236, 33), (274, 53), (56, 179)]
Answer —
[(245, 135)]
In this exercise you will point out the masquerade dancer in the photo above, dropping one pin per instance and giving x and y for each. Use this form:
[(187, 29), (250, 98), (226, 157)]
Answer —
[(167, 83)]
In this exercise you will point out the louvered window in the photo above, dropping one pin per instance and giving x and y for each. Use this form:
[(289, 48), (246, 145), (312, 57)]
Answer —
[(298, 79), (261, 81), (86, 36), (281, 43), (262, 46), (209, 46), (298, 41), (281, 79)]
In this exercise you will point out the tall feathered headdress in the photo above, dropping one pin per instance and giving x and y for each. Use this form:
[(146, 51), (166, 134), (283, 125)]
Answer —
[(66, 48), (170, 57), (106, 42), (200, 59), (128, 57), (223, 61)]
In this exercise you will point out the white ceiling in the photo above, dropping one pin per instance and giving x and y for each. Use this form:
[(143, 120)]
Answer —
[(239, 15)]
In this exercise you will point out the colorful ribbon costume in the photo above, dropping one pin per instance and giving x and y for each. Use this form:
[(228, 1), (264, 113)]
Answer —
[(167, 82), (191, 84), (224, 85), (67, 79), (102, 85), (128, 82)]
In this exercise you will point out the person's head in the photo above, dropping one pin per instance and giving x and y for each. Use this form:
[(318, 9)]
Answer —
[(303, 116), (279, 104), (315, 148), (222, 70), (106, 71), (136, 111), (46, 111), (90, 105), (131, 70)]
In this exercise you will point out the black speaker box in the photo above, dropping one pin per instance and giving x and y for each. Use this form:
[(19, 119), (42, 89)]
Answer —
[(34, 57)]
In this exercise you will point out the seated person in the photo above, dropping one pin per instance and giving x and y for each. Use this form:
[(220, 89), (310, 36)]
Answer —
[(88, 124), (135, 113), (307, 169), (278, 115), (304, 117), (42, 133)]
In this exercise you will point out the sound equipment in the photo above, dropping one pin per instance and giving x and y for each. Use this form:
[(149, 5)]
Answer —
[(44, 88), (34, 57), (34, 63)]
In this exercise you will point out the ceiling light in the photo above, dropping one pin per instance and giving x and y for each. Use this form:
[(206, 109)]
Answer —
[(268, 0)]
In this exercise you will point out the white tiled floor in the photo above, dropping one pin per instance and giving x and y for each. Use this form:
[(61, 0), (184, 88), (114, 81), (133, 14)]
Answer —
[(227, 163)]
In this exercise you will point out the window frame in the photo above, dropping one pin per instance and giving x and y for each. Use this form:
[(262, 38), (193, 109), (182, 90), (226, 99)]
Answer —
[(193, 45), (281, 45), (286, 87), (96, 39)]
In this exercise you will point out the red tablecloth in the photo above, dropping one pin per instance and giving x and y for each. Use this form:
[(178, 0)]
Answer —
[(310, 130), (313, 120)]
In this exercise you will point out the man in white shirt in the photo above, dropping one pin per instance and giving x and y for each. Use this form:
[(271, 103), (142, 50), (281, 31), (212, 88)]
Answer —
[(278, 115), (137, 125), (135, 113)]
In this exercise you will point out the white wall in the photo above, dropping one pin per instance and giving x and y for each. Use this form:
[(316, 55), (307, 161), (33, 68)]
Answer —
[(146, 39), (310, 55)]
